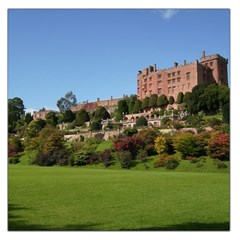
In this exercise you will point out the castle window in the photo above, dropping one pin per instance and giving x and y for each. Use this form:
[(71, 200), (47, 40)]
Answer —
[(169, 81), (169, 90), (145, 80), (169, 75), (173, 89), (159, 75), (183, 87), (150, 79), (173, 74), (159, 91), (178, 79), (173, 80), (159, 82), (188, 76), (211, 63), (178, 73)]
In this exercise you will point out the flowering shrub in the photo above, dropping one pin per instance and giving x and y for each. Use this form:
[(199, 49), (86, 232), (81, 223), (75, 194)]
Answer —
[(219, 147), (169, 162), (132, 144), (160, 144)]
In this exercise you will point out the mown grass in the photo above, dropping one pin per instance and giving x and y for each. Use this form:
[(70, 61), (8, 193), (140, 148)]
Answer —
[(71, 198)]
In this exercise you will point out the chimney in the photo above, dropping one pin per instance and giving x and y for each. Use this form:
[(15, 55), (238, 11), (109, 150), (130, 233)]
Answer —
[(111, 97), (155, 68), (98, 99), (203, 54), (184, 62), (175, 64)]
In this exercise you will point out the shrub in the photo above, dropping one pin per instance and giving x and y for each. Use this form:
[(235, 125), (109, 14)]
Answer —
[(150, 150), (106, 158), (141, 121), (81, 157), (132, 144), (93, 158), (219, 147), (169, 145), (147, 135), (13, 159), (130, 131), (172, 162), (142, 155), (161, 161), (186, 144), (160, 144), (99, 136), (125, 159)]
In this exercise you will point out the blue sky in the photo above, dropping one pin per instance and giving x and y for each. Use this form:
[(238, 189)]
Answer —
[(97, 53)]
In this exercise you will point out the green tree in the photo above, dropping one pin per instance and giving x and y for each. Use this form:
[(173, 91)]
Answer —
[(15, 112), (81, 117), (145, 103), (101, 114), (180, 98), (187, 97), (28, 118), (226, 112), (122, 106), (153, 100), (141, 121), (137, 106), (35, 126), (162, 101), (67, 102), (68, 116), (171, 100), (51, 119), (131, 102), (95, 125)]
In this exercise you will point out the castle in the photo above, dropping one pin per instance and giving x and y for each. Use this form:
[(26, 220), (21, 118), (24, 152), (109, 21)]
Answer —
[(170, 81), (182, 78)]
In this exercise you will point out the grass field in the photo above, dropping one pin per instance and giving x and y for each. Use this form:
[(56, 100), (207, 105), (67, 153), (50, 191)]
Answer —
[(71, 198)]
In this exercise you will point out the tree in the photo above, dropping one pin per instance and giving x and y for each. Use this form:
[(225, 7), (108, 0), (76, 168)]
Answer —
[(35, 126), (68, 116), (171, 100), (95, 125), (160, 144), (187, 97), (15, 112), (145, 103), (82, 117), (101, 114), (122, 106), (180, 98), (137, 106), (226, 112), (51, 119), (162, 101), (131, 102), (153, 100), (67, 102), (141, 121), (28, 118)]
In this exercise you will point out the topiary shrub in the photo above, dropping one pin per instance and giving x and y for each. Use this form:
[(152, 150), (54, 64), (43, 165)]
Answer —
[(172, 162), (161, 161)]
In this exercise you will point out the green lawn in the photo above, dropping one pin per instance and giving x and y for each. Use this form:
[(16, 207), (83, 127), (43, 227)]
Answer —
[(74, 198)]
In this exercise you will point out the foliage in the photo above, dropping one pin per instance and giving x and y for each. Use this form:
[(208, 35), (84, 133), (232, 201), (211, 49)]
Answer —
[(51, 119), (122, 107), (186, 144), (131, 102), (171, 100), (141, 121), (125, 158), (132, 144), (153, 100), (219, 147), (145, 103), (106, 158), (162, 101), (101, 114), (15, 143), (137, 106), (142, 156), (169, 162), (35, 126), (95, 125), (187, 97), (180, 98), (67, 102), (165, 121), (226, 112), (130, 131), (15, 112), (28, 118), (68, 116), (160, 144), (147, 135), (81, 117)]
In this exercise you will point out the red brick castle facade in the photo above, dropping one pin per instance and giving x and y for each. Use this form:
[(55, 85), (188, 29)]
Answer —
[(182, 78)]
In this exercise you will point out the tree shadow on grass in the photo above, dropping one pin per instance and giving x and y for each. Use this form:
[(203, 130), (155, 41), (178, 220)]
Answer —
[(193, 226), (15, 223)]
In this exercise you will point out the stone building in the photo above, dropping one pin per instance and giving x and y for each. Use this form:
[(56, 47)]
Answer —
[(182, 78)]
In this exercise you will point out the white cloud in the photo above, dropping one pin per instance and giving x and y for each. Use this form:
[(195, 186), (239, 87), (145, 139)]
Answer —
[(30, 110), (167, 14)]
